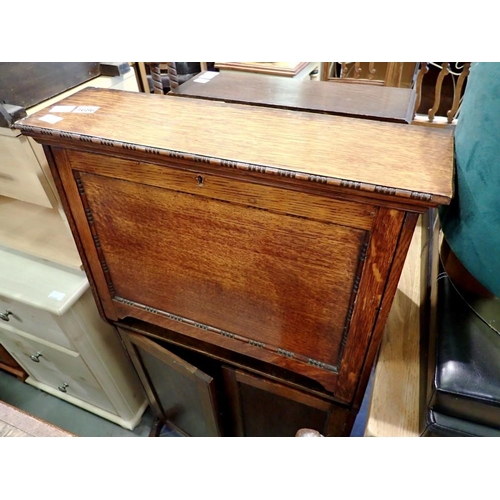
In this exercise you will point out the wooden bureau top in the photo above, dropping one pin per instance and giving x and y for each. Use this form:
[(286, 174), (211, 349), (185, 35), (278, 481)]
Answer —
[(389, 159)]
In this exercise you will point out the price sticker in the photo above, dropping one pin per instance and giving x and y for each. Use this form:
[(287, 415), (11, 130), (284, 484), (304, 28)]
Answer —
[(86, 109)]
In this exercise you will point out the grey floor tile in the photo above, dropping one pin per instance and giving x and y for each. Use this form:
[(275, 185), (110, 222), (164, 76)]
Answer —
[(63, 414)]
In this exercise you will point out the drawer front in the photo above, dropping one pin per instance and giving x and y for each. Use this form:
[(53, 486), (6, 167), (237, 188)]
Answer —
[(35, 321), (264, 270), (20, 174), (58, 368)]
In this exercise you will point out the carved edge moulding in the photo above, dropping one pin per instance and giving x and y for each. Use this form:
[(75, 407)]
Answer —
[(403, 195)]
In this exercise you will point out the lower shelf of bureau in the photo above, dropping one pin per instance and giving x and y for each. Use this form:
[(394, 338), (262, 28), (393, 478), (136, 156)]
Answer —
[(203, 393)]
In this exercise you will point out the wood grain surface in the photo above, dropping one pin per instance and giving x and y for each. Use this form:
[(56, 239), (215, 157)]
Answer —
[(363, 101), (394, 405), (388, 158), (372, 291), (272, 272), (210, 185), (272, 234)]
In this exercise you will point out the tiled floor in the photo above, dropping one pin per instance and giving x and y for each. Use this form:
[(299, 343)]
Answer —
[(86, 424), (64, 415)]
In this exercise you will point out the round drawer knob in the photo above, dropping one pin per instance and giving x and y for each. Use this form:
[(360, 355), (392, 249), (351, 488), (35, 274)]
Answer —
[(35, 357), (5, 315), (62, 388)]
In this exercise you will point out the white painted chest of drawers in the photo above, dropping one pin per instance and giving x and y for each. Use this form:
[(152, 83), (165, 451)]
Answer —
[(48, 320), (50, 325)]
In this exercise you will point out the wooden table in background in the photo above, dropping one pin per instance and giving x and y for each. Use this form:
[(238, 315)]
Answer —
[(17, 423), (298, 70), (361, 101)]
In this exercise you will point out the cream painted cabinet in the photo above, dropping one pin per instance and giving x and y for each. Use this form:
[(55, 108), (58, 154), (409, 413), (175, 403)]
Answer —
[(50, 325), (49, 322), (31, 216)]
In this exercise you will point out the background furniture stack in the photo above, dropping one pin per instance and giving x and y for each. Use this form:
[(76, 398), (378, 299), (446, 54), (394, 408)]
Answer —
[(292, 70), (50, 330)]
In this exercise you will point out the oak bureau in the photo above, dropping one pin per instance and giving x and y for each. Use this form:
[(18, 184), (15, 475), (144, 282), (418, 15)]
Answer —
[(248, 256)]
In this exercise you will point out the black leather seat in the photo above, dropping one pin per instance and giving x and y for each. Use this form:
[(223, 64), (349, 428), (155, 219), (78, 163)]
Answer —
[(463, 393)]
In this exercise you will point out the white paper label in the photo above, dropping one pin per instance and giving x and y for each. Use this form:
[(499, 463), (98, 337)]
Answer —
[(62, 109), (205, 77), (56, 295), (208, 75), (50, 118), (86, 109)]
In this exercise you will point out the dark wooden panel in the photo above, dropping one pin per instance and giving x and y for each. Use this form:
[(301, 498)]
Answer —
[(184, 394), (29, 83), (361, 101), (217, 352), (7, 359), (262, 408), (277, 276), (9, 364)]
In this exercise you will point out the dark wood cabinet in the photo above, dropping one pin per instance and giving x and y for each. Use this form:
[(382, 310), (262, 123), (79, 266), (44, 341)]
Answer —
[(9, 364), (262, 408), (208, 394), (249, 256), (179, 392)]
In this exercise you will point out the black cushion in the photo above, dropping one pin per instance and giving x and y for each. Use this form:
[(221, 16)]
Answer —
[(439, 425), (466, 380)]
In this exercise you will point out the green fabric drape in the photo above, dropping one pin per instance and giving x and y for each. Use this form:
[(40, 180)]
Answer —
[(471, 224)]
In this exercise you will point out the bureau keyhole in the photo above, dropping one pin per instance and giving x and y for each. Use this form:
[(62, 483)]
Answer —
[(199, 179)]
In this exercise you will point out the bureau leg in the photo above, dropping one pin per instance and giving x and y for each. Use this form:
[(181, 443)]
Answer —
[(339, 422)]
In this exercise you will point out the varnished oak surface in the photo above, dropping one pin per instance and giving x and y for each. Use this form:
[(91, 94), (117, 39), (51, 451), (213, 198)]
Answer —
[(251, 251), (364, 101), (274, 234), (389, 159), (261, 266), (394, 406), (17, 423)]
